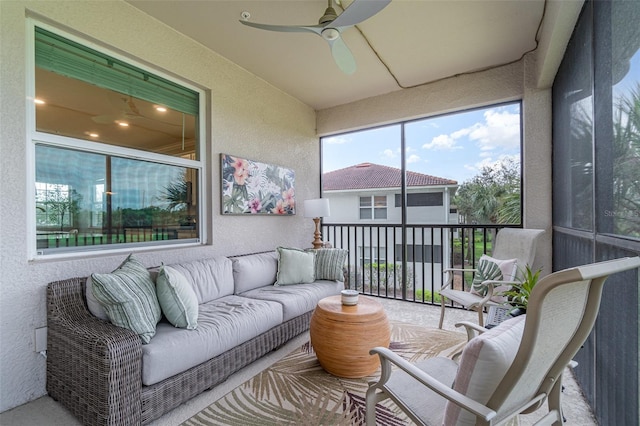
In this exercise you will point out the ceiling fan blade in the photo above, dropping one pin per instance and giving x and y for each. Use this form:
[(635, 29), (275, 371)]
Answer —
[(285, 28), (343, 56), (358, 11)]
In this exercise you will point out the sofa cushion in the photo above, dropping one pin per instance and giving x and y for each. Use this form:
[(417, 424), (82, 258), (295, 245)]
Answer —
[(330, 263), (484, 362), (297, 299), (254, 270), (210, 278), (295, 266), (128, 295), (177, 299), (223, 324)]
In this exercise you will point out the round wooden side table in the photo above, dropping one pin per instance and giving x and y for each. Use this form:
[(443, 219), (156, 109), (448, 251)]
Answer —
[(342, 335)]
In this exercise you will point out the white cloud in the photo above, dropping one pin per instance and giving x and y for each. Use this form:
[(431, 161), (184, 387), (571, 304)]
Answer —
[(442, 143), (413, 158), (492, 163), (337, 140), (388, 153), (501, 130)]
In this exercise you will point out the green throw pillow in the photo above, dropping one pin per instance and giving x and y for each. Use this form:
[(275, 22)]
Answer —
[(295, 266), (177, 298), (128, 295), (330, 263), (492, 269)]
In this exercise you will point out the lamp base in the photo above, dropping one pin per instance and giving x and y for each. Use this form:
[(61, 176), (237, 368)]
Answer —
[(317, 241)]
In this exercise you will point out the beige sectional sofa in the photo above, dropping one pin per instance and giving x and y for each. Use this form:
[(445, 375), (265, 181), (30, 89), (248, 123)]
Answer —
[(106, 375)]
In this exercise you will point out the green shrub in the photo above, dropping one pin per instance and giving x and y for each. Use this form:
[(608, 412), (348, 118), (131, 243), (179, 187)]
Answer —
[(427, 296)]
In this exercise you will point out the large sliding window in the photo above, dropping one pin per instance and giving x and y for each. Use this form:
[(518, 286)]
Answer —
[(468, 161), (117, 151)]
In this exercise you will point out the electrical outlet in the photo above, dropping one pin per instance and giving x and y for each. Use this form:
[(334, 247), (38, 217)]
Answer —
[(41, 339)]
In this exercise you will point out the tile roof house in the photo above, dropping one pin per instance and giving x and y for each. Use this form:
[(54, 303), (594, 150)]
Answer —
[(354, 191), (369, 175)]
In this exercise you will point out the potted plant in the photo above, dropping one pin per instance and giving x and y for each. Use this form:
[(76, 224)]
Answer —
[(518, 295)]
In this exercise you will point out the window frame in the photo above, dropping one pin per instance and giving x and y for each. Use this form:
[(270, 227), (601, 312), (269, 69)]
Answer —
[(372, 207), (34, 137)]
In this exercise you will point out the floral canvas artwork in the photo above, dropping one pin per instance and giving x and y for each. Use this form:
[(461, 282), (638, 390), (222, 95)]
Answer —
[(251, 187)]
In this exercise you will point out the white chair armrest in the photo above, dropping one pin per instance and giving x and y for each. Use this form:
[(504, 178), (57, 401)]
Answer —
[(387, 358), (449, 279), (490, 286), (472, 329)]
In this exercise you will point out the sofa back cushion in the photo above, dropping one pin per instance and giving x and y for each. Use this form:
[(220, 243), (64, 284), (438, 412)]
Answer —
[(210, 278), (254, 270)]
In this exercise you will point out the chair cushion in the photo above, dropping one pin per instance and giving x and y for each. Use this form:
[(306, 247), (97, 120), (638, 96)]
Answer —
[(484, 362), (295, 266), (490, 268), (177, 298), (128, 295), (330, 263), (412, 393)]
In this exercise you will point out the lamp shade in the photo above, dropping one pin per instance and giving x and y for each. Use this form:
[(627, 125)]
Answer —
[(316, 208)]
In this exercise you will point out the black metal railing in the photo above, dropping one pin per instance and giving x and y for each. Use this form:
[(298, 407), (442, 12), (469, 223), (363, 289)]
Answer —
[(407, 262)]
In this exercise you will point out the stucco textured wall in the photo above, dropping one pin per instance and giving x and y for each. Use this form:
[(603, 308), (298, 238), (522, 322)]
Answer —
[(247, 117)]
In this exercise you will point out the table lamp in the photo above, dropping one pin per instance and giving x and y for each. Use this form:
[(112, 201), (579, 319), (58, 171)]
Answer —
[(316, 209)]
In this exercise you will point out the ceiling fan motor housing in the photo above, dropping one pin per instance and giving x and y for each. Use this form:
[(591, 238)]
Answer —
[(330, 34), (329, 15)]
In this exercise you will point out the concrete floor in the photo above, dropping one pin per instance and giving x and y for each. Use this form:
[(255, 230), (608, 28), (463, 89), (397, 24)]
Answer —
[(46, 412)]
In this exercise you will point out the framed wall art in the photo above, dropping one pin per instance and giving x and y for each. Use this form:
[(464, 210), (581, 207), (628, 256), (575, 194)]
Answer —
[(251, 187)]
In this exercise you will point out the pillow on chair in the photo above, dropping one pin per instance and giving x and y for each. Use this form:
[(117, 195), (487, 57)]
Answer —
[(484, 362), (490, 268)]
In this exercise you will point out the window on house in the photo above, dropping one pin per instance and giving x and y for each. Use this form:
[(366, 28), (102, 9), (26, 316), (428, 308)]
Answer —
[(117, 151), (369, 254), (421, 199), (420, 253), (373, 207)]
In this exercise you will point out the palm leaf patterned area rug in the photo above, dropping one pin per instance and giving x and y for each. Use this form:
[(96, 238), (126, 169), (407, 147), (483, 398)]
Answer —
[(297, 391)]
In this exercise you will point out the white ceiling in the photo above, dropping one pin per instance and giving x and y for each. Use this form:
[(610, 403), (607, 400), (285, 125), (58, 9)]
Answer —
[(409, 43)]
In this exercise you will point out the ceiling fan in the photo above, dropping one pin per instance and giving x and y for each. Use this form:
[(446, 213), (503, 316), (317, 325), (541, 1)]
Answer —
[(330, 26), (126, 110)]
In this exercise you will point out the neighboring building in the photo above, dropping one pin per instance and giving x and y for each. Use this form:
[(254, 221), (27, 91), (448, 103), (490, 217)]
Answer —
[(368, 196), (370, 193)]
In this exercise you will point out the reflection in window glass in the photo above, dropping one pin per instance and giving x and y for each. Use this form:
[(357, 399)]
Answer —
[(117, 151), (625, 212), (573, 126), (107, 200)]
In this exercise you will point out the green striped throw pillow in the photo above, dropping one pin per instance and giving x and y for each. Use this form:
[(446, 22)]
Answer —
[(128, 295), (330, 264)]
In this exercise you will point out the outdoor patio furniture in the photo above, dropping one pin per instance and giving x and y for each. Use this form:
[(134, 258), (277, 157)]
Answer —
[(510, 243), (512, 368)]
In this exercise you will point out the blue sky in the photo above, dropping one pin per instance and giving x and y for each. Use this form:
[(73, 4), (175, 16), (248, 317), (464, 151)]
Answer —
[(453, 146)]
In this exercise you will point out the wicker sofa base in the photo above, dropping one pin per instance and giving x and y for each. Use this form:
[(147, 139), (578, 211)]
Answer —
[(94, 369), (170, 393)]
